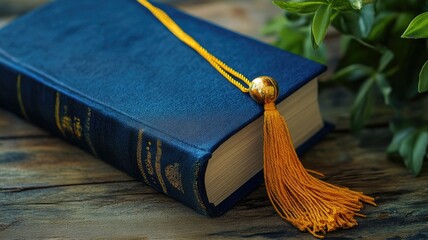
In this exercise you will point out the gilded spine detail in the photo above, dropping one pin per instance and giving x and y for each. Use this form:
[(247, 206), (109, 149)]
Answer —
[(158, 165), (173, 175), (88, 131), (57, 113), (77, 126), (19, 96), (71, 125), (148, 160), (139, 155)]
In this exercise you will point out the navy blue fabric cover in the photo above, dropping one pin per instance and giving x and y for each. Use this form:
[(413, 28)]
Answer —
[(114, 58)]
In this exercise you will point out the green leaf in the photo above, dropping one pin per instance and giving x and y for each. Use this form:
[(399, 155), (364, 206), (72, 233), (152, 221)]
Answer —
[(353, 72), (406, 149), (356, 4), (413, 148), (289, 37), (318, 54), (423, 78), (398, 138), (314, 44), (298, 20), (320, 23), (418, 28), (361, 109), (274, 25), (358, 23), (343, 5), (300, 6), (401, 23), (365, 20), (386, 58), (418, 153), (384, 87), (383, 22)]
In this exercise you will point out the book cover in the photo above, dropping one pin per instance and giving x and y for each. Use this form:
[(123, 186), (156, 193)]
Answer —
[(109, 78)]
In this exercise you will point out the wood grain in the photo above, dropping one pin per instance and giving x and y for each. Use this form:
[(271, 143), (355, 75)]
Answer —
[(13, 127), (49, 189)]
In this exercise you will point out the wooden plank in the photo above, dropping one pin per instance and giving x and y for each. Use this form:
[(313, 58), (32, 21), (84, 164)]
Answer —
[(44, 162), (14, 127), (76, 196)]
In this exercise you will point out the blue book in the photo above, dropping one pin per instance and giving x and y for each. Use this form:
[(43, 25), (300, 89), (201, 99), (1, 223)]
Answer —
[(110, 78)]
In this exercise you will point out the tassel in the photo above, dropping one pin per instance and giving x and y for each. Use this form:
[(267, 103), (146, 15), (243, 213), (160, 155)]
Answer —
[(305, 201)]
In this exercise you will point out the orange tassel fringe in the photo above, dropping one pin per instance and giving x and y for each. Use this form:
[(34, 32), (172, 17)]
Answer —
[(308, 203)]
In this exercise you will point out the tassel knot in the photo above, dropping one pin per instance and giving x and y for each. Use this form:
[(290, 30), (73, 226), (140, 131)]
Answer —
[(270, 106)]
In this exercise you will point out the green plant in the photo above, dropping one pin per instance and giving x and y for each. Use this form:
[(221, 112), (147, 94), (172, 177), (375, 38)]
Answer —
[(384, 53)]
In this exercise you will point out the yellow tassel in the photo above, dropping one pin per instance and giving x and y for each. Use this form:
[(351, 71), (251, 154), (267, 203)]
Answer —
[(305, 201), (308, 203)]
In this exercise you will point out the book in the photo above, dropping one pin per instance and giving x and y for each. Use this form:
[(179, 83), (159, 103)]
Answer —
[(109, 78)]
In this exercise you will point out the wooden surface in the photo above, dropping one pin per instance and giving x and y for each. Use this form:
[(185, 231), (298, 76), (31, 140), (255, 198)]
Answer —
[(50, 189)]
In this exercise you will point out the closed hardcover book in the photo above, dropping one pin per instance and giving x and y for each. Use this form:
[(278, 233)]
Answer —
[(110, 78)]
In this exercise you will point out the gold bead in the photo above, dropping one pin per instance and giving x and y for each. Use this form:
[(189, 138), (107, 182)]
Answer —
[(264, 90)]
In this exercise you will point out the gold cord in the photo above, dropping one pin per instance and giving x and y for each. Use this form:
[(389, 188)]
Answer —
[(227, 72)]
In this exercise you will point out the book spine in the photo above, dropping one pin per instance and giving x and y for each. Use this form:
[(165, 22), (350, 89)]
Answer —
[(165, 164)]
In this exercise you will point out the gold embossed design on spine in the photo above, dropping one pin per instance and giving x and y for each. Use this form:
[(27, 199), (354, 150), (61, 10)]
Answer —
[(173, 175), (139, 155), (57, 113), (148, 160), (77, 128), (88, 131), (158, 165), (19, 95)]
